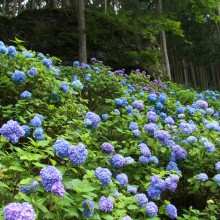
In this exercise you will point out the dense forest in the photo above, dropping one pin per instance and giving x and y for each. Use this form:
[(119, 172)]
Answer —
[(170, 39)]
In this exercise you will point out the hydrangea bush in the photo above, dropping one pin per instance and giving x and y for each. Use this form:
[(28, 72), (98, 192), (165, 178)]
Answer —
[(84, 141)]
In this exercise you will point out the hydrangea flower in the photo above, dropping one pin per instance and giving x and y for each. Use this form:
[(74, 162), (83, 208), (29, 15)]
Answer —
[(133, 126), (154, 159), (38, 133), (122, 179), (202, 177), (61, 148), (28, 188), (12, 131), (104, 175), (107, 148), (121, 101), (104, 117), (169, 121), (26, 130), (132, 189), (76, 63), (217, 166), (152, 116), (152, 97), (136, 132), (12, 51), (191, 139), (173, 166), (27, 54), (142, 199), (32, 71), (178, 153), (117, 161), (210, 147), (171, 182), (3, 49), (129, 109), (127, 217), (150, 128), (138, 104), (217, 178), (105, 204), (151, 209), (171, 211), (25, 95), (65, 87), (88, 208), (15, 211), (94, 118), (47, 62), (186, 128), (58, 189), (202, 104), (162, 136), (129, 160), (76, 84), (18, 76), (144, 150), (159, 106), (77, 154), (36, 121), (117, 112)]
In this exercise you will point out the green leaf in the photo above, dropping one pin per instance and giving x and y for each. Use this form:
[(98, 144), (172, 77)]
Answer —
[(3, 185), (132, 207), (17, 168), (25, 181)]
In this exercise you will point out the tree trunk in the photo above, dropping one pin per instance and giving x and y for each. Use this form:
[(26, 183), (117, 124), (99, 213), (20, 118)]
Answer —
[(164, 44), (193, 74), (32, 4), (19, 6), (82, 31), (185, 72), (39, 3), (106, 6), (4, 8), (65, 3), (14, 9), (53, 4)]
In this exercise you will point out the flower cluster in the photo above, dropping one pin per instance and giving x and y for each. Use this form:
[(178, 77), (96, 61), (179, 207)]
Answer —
[(65, 87), (171, 211), (107, 148), (25, 95), (77, 154), (32, 71), (12, 131), (202, 177), (157, 185), (162, 136), (51, 180), (142, 199), (104, 175), (88, 208), (117, 161), (92, 120), (121, 101), (15, 211), (138, 104), (150, 128), (178, 153), (28, 188), (61, 148), (77, 85), (18, 76), (152, 116), (151, 209), (122, 179), (105, 204)]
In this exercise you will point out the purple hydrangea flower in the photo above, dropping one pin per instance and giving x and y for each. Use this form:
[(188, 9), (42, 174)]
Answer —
[(210, 147), (154, 159), (169, 121), (49, 176), (107, 148), (142, 199), (88, 207), (12, 131), (186, 128), (117, 161), (136, 132), (138, 104), (105, 204), (77, 154), (28, 188), (171, 211), (132, 189), (25, 95), (58, 189), (191, 139), (133, 126), (18, 76), (151, 209), (171, 182), (217, 166), (152, 116), (15, 211), (122, 179), (38, 134), (202, 104), (104, 175), (127, 218), (117, 112), (144, 150), (65, 87), (178, 153), (144, 160), (162, 136), (12, 51), (202, 177), (26, 130), (150, 128), (32, 71), (61, 147), (153, 192)]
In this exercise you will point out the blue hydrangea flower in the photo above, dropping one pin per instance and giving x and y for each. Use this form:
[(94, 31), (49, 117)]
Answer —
[(129, 160), (159, 106), (209, 111), (88, 208), (117, 112), (105, 204), (151, 209), (173, 166), (88, 77), (76, 63), (58, 189), (129, 109), (28, 188), (26, 130), (144, 150), (152, 116), (186, 128), (77, 85), (94, 118), (12, 131), (178, 153), (47, 62), (65, 87), (154, 159), (122, 179), (202, 104), (49, 176), (142, 199), (171, 211), (61, 148), (77, 154), (133, 126), (138, 104), (107, 148), (202, 177), (210, 147), (217, 166), (36, 121), (117, 161), (121, 102), (32, 71), (18, 76), (153, 192), (157, 182), (132, 189), (3, 49), (116, 193), (12, 51), (38, 133), (27, 54), (152, 97), (104, 175), (25, 95), (169, 121), (136, 132), (217, 178), (171, 182), (104, 117), (127, 217), (191, 139), (40, 55), (162, 136), (144, 160), (15, 211), (150, 128)]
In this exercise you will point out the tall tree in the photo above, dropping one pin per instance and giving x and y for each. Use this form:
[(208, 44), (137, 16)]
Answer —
[(82, 31)]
